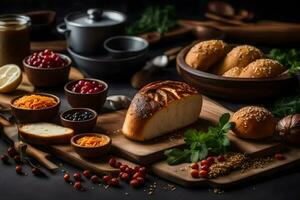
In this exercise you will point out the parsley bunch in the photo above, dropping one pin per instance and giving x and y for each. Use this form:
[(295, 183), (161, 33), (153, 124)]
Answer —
[(200, 143), (289, 58)]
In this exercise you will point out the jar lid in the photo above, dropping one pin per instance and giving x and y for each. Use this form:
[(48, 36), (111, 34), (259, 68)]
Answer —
[(95, 18), (13, 21)]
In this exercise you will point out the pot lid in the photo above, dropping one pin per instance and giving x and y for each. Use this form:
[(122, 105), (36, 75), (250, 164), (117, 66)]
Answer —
[(95, 17)]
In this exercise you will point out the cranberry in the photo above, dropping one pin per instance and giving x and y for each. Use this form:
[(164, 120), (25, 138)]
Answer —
[(134, 183), (46, 59), (279, 156), (35, 171), (140, 180), (123, 168), (77, 185), (19, 169), (194, 166), (210, 160), (124, 176), (143, 170), (17, 159), (137, 174), (118, 164), (114, 182), (221, 158), (4, 158), (95, 179), (112, 162), (106, 179), (86, 173), (129, 170), (67, 177), (205, 167), (87, 87), (11, 151), (77, 176), (136, 169), (195, 173), (204, 162), (203, 173)]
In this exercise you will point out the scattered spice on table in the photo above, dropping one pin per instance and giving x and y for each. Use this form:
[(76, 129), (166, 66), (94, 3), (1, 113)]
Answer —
[(35, 102)]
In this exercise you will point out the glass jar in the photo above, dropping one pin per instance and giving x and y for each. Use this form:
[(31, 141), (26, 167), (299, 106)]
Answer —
[(14, 39)]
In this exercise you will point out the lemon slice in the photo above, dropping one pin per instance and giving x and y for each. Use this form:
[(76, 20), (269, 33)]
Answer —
[(10, 78)]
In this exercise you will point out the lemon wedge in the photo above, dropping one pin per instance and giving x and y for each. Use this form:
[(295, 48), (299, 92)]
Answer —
[(10, 78)]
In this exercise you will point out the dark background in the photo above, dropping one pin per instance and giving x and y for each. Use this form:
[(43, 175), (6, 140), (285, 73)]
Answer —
[(279, 186)]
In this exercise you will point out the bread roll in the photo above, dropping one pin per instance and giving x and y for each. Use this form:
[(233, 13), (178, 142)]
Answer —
[(239, 56), (253, 122), (160, 108), (207, 53), (262, 68), (233, 72)]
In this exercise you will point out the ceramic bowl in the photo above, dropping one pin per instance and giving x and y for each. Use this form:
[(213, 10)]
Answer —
[(93, 101), (79, 126), (38, 115), (91, 152), (48, 77)]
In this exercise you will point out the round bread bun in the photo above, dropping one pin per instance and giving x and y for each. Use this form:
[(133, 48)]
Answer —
[(239, 56), (262, 68), (253, 122), (207, 53), (233, 72)]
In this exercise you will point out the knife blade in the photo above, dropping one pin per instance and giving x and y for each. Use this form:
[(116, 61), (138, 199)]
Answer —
[(11, 133)]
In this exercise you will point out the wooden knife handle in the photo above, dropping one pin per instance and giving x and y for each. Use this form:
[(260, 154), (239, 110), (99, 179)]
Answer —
[(40, 156)]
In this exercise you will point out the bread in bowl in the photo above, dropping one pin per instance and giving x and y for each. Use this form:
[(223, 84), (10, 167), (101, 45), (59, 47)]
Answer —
[(253, 122), (262, 68), (233, 72), (161, 107), (239, 56), (205, 54)]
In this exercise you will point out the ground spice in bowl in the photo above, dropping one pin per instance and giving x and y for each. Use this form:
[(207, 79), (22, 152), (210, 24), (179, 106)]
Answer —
[(35, 102)]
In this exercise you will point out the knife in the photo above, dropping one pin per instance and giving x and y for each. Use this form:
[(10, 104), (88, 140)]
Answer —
[(11, 133)]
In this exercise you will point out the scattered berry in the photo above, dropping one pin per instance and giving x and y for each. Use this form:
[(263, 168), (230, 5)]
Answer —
[(279, 156), (19, 169), (203, 173), (11, 151), (114, 182), (4, 158), (137, 174), (106, 179), (205, 167), (204, 162), (194, 166), (112, 162), (95, 179), (17, 159), (77, 185), (86, 173), (123, 168), (35, 171), (67, 177), (195, 173), (125, 176), (140, 180), (134, 183), (221, 158), (77, 176), (210, 160), (118, 164)]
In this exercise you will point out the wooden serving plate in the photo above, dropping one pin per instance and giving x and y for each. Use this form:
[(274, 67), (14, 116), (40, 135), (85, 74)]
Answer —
[(234, 89)]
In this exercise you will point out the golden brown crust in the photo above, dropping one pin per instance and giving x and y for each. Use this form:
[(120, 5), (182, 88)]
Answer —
[(262, 68), (240, 56), (205, 54), (253, 122), (233, 72)]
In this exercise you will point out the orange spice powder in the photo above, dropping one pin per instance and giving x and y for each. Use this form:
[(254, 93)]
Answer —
[(91, 141), (35, 102)]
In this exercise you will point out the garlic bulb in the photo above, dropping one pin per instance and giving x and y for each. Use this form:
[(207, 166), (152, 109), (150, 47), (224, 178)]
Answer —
[(288, 129)]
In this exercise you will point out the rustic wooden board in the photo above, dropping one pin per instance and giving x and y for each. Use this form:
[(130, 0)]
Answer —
[(180, 174), (149, 152), (26, 87)]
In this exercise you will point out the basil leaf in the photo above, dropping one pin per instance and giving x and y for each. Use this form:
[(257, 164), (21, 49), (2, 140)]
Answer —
[(224, 119), (179, 158), (195, 156)]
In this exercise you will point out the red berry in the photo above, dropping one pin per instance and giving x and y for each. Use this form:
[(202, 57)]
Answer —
[(19, 169), (17, 159), (221, 158), (143, 170), (86, 173), (137, 174), (36, 171), (279, 156), (204, 162), (194, 166), (114, 182), (128, 170), (112, 162), (118, 164), (125, 176), (11, 151), (66, 177), (210, 160), (95, 179), (4, 158), (195, 173), (77, 176), (203, 173), (134, 183), (77, 185), (123, 168), (136, 169), (140, 180), (106, 179), (205, 167)]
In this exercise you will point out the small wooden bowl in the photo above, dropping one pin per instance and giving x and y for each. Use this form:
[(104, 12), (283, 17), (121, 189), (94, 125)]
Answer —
[(48, 77), (79, 126), (234, 89), (93, 101), (38, 115), (90, 152)]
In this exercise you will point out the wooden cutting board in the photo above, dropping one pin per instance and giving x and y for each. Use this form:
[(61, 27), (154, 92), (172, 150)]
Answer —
[(26, 87), (149, 152)]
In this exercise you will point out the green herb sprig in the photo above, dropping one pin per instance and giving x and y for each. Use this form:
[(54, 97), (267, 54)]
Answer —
[(289, 58), (286, 106), (200, 143), (154, 18)]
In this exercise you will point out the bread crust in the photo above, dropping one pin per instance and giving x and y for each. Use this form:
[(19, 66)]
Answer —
[(262, 68), (205, 54), (253, 122), (233, 72), (239, 56), (151, 99)]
